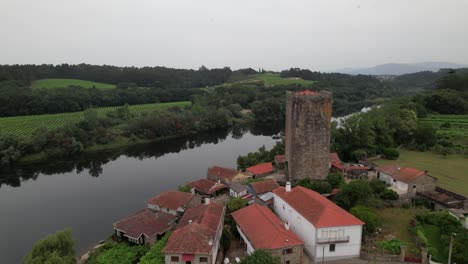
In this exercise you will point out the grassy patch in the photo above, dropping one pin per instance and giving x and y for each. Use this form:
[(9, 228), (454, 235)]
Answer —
[(435, 246), (272, 79), (450, 171), (121, 253), (60, 83), (396, 224), (26, 125)]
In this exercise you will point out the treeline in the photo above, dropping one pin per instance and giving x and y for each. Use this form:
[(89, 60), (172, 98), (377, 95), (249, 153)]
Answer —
[(397, 122), (160, 77), (18, 99)]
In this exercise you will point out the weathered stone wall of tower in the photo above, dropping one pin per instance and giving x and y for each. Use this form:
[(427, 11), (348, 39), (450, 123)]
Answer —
[(308, 124)]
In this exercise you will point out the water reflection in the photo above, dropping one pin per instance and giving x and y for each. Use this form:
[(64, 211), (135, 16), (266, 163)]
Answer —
[(93, 162)]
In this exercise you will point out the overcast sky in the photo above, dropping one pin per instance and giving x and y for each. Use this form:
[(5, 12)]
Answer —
[(319, 35)]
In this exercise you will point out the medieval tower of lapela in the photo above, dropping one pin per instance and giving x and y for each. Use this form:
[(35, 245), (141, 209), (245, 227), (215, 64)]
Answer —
[(308, 124)]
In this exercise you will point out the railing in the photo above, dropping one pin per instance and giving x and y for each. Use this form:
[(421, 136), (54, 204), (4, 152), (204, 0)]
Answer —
[(327, 240)]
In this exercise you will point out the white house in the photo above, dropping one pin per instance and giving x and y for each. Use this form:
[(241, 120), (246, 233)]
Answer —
[(406, 181), (237, 189), (328, 231)]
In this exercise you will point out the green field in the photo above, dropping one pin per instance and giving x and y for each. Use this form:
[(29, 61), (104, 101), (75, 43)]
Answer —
[(451, 171), (56, 83), (26, 125), (454, 127), (272, 79)]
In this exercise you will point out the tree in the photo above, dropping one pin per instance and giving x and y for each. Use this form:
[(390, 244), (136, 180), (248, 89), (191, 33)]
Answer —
[(368, 216), (353, 193), (184, 188), (261, 256), (335, 179), (236, 203), (57, 248), (391, 153), (155, 255)]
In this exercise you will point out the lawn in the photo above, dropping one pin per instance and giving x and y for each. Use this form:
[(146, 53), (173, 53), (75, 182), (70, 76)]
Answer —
[(451, 171), (56, 83), (26, 125), (272, 79), (395, 222), (435, 246)]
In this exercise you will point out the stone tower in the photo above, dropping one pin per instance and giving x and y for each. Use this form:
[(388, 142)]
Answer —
[(308, 124)]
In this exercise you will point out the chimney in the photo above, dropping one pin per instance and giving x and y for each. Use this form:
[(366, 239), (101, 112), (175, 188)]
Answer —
[(288, 187), (210, 242), (190, 221), (207, 200), (398, 167), (286, 225)]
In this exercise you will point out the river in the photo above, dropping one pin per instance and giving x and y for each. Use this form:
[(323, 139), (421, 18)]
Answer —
[(92, 191)]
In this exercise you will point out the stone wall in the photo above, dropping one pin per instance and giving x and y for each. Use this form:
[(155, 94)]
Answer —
[(308, 124), (296, 257)]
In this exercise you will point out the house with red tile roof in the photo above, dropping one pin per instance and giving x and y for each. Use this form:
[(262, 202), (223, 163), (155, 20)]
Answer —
[(196, 238), (145, 226), (280, 161), (261, 170), (173, 202), (260, 228), (328, 231), (261, 187), (406, 181), (208, 188), (226, 175)]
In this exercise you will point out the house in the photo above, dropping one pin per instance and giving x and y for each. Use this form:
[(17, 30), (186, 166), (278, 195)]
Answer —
[(280, 161), (173, 202), (226, 175), (260, 228), (260, 170), (406, 181), (197, 237), (461, 215), (145, 226), (351, 170), (328, 231), (237, 189), (207, 188), (262, 187)]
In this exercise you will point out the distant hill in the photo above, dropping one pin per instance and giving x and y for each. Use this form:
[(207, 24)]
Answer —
[(400, 68)]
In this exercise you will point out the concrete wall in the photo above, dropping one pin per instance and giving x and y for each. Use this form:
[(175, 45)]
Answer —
[(308, 124), (309, 234), (162, 209), (234, 194), (250, 248), (196, 259)]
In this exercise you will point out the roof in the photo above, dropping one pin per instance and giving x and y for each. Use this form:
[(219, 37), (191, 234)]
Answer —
[(261, 168), (145, 221), (207, 186), (266, 231), (352, 167), (266, 196), (196, 230), (171, 199), (237, 187), (280, 158), (403, 174), (337, 165), (222, 172), (317, 209), (306, 92), (264, 186), (334, 157)]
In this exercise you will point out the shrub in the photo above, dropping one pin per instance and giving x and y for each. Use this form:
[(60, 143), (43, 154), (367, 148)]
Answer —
[(368, 216), (235, 204), (391, 153), (121, 253), (391, 246), (335, 179), (55, 248), (155, 255), (388, 194)]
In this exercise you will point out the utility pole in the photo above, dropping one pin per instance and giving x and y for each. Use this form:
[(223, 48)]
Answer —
[(450, 248), (323, 254)]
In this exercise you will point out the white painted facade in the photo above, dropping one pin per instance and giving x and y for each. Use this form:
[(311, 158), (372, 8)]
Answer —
[(250, 248), (388, 179), (235, 194), (346, 239)]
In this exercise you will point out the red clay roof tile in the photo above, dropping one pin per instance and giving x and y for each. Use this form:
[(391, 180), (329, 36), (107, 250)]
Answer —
[(261, 168), (145, 221), (222, 172), (171, 199), (403, 174), (264, 186), (206, 186)]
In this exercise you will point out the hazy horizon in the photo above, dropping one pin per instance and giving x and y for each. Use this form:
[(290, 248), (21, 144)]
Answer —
[(274, 35)]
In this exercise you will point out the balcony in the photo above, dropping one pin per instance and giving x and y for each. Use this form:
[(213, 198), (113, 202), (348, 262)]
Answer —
[(328, 240)]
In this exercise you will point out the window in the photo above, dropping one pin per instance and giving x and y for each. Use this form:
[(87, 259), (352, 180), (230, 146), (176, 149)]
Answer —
[(203, 259), (332, 248), (287, 251), (414, 186), (341, 233), (174, 258), (394, 180), (288, 262), (284, 206)]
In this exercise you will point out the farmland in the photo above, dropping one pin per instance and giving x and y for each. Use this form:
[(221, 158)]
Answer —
[(451, 127), (55, 83), (26, 125), (451, 171), (272, 79)]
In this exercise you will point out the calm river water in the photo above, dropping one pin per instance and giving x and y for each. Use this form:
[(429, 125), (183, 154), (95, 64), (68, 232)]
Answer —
[(91, 192)]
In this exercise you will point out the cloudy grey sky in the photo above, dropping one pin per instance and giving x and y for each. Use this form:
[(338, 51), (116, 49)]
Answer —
[(314, 34)]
